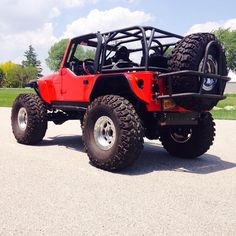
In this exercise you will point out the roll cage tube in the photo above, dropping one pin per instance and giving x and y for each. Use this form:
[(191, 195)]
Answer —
[(137, 33), (88, 40)]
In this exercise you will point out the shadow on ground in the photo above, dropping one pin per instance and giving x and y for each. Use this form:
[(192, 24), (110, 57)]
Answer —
[(153, 158), (73, 142)]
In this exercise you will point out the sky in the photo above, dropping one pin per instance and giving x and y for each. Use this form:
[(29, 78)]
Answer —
[(41, 23)]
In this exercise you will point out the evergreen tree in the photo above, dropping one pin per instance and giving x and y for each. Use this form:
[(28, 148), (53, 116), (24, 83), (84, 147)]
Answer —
[(32, 61)]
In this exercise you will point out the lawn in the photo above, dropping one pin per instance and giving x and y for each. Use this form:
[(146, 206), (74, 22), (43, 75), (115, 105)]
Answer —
[(225, 109), (8, 95)]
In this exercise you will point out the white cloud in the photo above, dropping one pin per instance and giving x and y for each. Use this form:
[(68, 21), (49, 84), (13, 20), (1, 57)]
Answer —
[(213, 25), (78, 3), (54, 12), (25, 22), (74, 3), (97, 20), (131, 1), (230, 24), (28, 15), (40, 38), (21, 15), (13, 46)]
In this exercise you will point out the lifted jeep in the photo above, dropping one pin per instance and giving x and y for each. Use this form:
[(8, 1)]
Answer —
[(135, 82)]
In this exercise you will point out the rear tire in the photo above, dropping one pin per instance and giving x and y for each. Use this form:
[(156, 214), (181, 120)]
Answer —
[(29, 119), (188, 54), (112, 133), (189, 142)]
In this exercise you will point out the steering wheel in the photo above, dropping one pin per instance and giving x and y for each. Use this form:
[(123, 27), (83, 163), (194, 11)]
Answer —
[(88, 66)]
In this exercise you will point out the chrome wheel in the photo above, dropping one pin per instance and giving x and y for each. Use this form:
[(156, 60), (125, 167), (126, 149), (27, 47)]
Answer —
[(181, 135), (104, 133), (22, 118), (212, 68)]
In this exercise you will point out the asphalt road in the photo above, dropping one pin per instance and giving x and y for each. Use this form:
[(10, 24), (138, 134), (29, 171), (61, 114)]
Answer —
[(51, 189)]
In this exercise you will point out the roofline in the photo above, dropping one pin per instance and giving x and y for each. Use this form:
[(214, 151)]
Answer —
[(141, 28)]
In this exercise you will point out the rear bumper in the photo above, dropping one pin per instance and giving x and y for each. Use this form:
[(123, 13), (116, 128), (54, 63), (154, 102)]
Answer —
[(194, 95), (202, 99)]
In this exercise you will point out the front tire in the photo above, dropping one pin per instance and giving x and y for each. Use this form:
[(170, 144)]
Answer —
[(189, 142), (112, 133), (29, 119)]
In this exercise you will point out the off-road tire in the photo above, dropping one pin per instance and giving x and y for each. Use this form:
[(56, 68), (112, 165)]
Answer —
[(128, 143), (188, 55), (36, 124), (200, 141)]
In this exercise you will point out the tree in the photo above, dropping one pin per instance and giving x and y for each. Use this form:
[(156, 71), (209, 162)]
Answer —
[(55, 54), (83, 52), (7, 67), (2, 76), (16, 75), (32, 61), (57, 51), (228, 38)]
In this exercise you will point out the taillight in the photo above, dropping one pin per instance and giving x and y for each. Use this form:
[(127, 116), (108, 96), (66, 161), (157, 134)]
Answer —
[(168, 103)]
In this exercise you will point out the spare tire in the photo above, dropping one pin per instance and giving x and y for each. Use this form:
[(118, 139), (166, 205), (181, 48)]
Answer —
[(188, 54)]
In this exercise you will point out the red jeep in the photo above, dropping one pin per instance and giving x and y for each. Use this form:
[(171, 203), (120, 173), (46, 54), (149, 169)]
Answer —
[(133, 83)]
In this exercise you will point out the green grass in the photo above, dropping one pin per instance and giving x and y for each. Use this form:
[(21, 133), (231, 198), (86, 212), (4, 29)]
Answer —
[(8, 95), (222, 113), (229, 101)]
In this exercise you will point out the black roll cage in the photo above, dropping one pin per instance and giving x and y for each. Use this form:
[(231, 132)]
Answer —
[(113, 39), (88, 40), (145, 34)]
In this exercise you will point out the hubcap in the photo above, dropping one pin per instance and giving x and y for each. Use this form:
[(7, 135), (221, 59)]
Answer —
[(22, 118), (181, 135), (211, 67), (104, 133)]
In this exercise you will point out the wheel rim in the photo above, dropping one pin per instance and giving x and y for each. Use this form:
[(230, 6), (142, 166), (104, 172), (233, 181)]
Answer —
[(181, 135), (104, 133), (22, 118), (211, 67)]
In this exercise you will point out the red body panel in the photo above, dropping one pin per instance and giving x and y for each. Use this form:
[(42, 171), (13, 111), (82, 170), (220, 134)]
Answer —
[(66, 86), (50, 87)]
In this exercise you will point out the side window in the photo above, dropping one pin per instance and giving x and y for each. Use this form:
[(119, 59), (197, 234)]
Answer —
[(84, 52), (80, 59)]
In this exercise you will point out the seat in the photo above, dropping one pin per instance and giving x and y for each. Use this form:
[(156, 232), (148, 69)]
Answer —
[(120, 60), (157, 60), (122, 53)]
